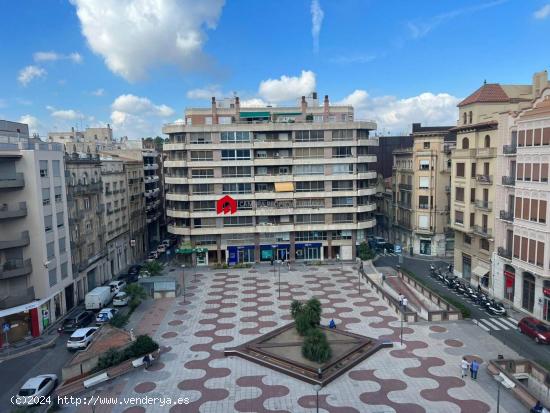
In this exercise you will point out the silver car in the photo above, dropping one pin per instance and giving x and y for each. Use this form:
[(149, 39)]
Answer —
[(35, 389)]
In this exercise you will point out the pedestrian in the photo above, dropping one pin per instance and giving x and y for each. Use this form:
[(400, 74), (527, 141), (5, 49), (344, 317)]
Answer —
[(474, 367), (383, 278), (147, 361), (464, 365), (332, 324), (405, 303), (400, 300), (537, 408)]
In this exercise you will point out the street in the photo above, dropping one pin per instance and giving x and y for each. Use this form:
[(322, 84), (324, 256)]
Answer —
[(501, 329)]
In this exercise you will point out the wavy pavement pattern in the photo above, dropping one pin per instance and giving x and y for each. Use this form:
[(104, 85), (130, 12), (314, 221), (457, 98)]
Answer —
[(256, 286), (267, 391)]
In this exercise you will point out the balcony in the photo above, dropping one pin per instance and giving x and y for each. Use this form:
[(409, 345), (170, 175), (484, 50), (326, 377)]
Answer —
[(23, 241), (447, 188), (81, 189), (405, 187), (483, 232), (100, 209), (150, 166), (507, 215), (15, 268), (13, 182), (508, 180), (485, 179), (504, 253), (19, 212), (485, 205), (509, 149), (486, 152)]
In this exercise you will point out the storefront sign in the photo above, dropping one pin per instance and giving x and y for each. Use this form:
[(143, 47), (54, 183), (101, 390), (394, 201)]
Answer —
[(226, 205)]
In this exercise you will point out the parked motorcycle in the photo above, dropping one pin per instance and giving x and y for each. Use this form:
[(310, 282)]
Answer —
[(481, 299), (496, 308), (449, 280), (460, 288), (470, 293)]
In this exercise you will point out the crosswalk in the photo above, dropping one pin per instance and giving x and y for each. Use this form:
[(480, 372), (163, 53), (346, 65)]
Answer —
[(496, 323), (388, 254)]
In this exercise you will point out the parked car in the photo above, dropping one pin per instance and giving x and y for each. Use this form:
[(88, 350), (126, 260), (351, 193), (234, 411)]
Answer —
[(161, 249), (153, 255), (388, 246), (35, 388), (81, 338), (105, 315), (73, 323), (117, 286), (535, 329), (134, 269), (121, 299), (98, 298)]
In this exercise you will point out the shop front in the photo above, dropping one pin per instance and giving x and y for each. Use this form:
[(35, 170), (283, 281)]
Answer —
[(309, 251), (240, 254), (509, 282), (21, 322), (546, 300), (425, 246), (274, 252)]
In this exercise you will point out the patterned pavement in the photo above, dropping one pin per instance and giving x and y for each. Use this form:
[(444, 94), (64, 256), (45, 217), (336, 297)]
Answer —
[(225, 308)]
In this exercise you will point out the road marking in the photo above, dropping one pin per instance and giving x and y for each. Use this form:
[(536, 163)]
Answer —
[(491, 325), (476, 322), (512, 320), (507, 322), (499, 323)]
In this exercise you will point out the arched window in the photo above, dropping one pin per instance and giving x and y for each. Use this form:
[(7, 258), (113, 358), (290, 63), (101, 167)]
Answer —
[(465, 118), (465, 143), (487, 141), (73, 179), (528, 293), (85, 178), (471, 117)]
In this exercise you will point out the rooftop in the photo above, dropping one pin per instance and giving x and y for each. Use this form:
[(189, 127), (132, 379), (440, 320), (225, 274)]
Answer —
[(488, 93)]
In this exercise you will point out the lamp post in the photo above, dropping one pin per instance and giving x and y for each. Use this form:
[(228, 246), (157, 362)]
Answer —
[(403, 309), (183, 280), (317, 389), (359, 282), (506, 382), (279, 271)]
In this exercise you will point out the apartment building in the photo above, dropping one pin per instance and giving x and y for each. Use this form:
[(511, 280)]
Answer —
[(153, 195), (86, 224), (261, 183), (422, 183), (521, 261), (114, 197), (473, 207), (36, 280), (136, 209), (91, 140)]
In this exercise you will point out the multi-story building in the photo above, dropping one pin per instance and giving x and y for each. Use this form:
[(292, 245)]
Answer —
[(302, 178), (384, 152), (422, 183), (91, 140), (473, 170), (521, 272), (36, 280), (385, 208), (114, 198), (153, 195), (86, 224), (136, 209)]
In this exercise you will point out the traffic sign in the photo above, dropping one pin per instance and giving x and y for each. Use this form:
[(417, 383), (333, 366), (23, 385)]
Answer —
[(397, 249), (6, 327)]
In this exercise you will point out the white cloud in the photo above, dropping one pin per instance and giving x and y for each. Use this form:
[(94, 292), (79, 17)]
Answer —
[(53, 56), (397, 115), (317, 16), (134, 35), (543, 12), (32, 121), (136, 116), (253, 102), (98, 92), (67, 114), (204, 93), (27, 74), (287, 88)]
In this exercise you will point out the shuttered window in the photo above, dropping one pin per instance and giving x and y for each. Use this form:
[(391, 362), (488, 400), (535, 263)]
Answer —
[(459, 217), (536, 172), (544, 172), (527, 174), (540, 254), (542, 211), (546, 136), (521, 138), (519, 168), (523, 255), (460, 169), (517, 245), (529, 137), (460, 194), (526, 205), (532, 250), (518, 208), (534, 208), (538, 137)]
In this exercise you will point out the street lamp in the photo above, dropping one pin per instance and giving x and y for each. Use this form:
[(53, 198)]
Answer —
[(279, 271), (404, 303), (183, 280), (506, 382), (317, 389)]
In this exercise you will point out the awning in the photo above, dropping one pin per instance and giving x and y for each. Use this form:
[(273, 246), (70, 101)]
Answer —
[(24, 307), (254, 115), (481, 270), (184, 251), (284, 186)]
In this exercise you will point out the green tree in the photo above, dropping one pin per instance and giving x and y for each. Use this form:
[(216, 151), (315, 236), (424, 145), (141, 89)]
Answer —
[(295, 308), (316, 347), (365, 252), (135, 290), (154, 268), (313, 309)]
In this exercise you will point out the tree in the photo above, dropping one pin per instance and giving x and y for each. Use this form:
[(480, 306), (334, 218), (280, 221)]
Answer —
[(154, 268), (306, 316), (295, 308), (135, 291), (365, 253), (316, 347)]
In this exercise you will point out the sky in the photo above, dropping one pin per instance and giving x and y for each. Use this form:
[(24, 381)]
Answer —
[(137, 64)]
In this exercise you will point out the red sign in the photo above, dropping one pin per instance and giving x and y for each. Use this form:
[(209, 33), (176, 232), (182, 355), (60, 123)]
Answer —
[(226, 205), (510, 279)]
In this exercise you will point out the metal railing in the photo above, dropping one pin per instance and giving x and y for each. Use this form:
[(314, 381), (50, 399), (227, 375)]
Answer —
[(507, 215), (482, 231), (509, 149), (504, 252), (485, 179), (405, 187), (484, 204), (508, 180)]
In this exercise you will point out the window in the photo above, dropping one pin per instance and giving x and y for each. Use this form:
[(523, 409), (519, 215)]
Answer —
[(537, 137), (534, 210), (234, 154), (312, 218), (465, 118), (517, 213), (57, 191), (460, 169), (342, 134), (310, 136), (310, 203), (201, 155), (424, 165), (64, 270), (519, 172), (52, 276), (536, 172), (43, 169), (487, 141), (546, 136), (459, 217), (202, 173), (203, 189), (426, 145), (423, 221), (423, 202), (544, 172), (45, 196), (342, 201), (55, 168), (472, 195), (50, 250), (342, 218), (48, 225), (529, 137), (200, 138), (225, 120), (542, 211), (470, 116), (459, 195), (527, 172), (465, 143), (309, 170), (236, 171), (232, 137), (424, 182), (244, 188), (208, 120), (60, 219), (238, 221), (86, 203), (342, 186), (310, 235), (484, 244), (526, 205), (62, 247), (309, 152), (472, 219), (521, 138), (341, 152), (342, 169), (467, 239), (523, 255), (310, 186), (204, 206), (540, 254), (532, 250), (517, 245)]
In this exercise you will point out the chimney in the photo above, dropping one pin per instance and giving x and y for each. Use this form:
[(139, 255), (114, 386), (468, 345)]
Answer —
[(304, 105), (314, 99), (540, 81), (237, 107), (325, 109), (214, 111)]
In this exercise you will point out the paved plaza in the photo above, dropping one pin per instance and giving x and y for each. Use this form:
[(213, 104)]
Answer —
[(225, 308)]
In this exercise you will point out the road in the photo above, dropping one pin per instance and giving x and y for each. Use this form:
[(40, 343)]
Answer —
[(523, 345)]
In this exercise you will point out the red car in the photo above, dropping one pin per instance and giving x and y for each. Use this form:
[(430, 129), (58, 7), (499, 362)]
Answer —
[(536, 329)]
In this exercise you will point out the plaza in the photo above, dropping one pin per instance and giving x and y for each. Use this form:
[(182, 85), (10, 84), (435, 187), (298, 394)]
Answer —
[(226, 308)]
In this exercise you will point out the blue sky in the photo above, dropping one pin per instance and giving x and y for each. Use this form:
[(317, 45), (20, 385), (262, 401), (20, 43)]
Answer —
[(137, 64)]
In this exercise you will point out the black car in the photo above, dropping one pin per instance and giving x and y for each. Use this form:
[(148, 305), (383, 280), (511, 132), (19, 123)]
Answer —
[(73, 323), (388, 246), (134, 269)]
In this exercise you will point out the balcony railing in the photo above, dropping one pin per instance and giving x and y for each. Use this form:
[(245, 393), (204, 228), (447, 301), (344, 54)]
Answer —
[(507, 215), (12, 182), (509, 149), (508, 180), (504, 253), (485, 179), (15, 268), (485, 152), (447, 188), (405, 187), (484, 204), (482, 231), (7, 213)]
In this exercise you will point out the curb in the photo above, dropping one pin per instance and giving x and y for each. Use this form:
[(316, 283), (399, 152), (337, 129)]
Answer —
[(48, 344)]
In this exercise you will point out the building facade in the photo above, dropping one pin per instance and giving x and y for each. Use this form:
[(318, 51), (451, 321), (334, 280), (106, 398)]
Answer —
[(36, 280), (521, 272), (87, 227), (91, 140), (154, 204), (136, 209), (302, 178)]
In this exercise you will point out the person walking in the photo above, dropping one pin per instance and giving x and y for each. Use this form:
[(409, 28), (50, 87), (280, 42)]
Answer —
[(474, 367), (464, 365), (400, 300)]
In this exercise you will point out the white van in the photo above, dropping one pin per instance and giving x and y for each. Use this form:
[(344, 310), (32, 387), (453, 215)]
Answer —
[(98, 298)]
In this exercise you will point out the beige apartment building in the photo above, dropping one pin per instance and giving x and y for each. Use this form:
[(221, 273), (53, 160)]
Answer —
[(421, 181), (91, 140), (474, 205), (87, 227), (521, 270), (136, 209), (303, 179), (36, 280)]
